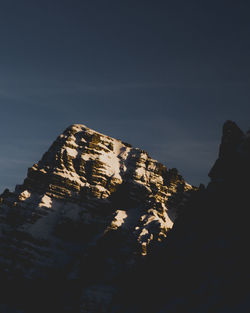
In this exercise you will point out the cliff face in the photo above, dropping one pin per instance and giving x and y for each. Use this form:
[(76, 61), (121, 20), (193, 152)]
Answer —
[(88, 210)]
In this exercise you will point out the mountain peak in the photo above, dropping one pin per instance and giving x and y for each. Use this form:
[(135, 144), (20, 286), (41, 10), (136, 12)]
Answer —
[(76, 128), (86, 157), (231, 137), (234, 153), (87, 189)]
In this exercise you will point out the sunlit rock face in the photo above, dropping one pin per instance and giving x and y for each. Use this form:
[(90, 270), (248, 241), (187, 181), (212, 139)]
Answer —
[(91, 199)]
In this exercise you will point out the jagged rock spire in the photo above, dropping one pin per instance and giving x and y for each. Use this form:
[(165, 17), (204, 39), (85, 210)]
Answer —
[(234, 153)]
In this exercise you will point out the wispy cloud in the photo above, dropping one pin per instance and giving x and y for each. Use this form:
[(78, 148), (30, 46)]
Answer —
[(26, 89), (10, 163)]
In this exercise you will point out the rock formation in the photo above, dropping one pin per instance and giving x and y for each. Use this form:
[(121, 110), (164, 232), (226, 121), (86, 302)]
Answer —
[(87, 211), (100, 227)]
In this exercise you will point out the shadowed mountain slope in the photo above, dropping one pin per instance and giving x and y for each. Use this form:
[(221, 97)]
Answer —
[(204, 264)]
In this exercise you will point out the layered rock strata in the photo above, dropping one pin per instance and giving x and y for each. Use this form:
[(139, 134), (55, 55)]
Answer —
[(91, 198)]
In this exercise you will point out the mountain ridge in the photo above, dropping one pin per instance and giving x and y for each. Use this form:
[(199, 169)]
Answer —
[(86, 187), (142, 241)]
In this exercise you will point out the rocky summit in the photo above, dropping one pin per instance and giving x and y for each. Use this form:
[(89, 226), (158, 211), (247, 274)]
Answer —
[(89, 210)]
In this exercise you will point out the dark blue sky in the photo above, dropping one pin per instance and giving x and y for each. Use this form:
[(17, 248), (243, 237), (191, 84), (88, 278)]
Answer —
[(162, 75)]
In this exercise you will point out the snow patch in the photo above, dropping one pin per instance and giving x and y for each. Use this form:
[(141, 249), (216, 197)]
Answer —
[(119, 218), (24, 195), (46, 201), (112, 164), (71, 152)]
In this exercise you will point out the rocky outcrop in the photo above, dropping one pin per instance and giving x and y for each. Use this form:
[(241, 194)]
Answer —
[(88, 211), (234, 154)]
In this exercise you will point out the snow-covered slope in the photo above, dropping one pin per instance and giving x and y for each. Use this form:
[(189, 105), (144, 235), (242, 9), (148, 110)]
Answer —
[(90, 197)]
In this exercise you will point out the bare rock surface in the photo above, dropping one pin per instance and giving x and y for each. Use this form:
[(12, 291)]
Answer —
[(88, 210)]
